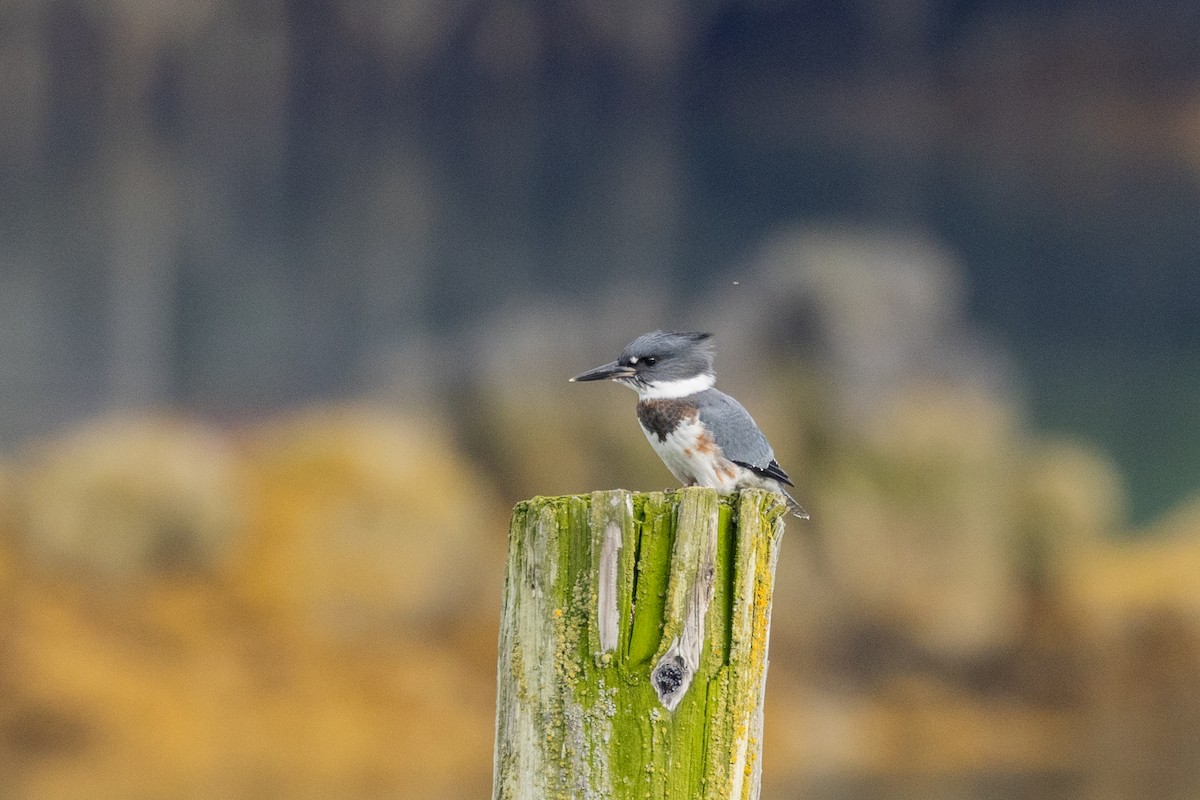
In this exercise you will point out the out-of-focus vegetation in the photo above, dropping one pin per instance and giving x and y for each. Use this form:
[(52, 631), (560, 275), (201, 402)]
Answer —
[(304, 608)]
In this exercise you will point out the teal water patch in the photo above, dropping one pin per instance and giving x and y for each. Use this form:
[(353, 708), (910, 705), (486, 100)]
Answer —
[(1139, 404)]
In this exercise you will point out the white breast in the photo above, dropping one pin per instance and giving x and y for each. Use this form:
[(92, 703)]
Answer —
[(694, 458)]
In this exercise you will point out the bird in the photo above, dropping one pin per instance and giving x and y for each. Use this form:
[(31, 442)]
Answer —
[(704, 436)]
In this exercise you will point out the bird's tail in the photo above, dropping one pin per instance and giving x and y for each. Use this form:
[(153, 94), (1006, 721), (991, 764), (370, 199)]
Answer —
[(793, 506)]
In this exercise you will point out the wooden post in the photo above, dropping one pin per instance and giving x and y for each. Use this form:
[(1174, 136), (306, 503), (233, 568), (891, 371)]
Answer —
[(633, 646)]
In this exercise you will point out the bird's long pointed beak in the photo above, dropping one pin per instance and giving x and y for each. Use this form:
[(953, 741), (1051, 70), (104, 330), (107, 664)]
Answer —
[(611, 370)]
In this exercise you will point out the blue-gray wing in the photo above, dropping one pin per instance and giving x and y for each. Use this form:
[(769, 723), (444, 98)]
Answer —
[(736, 434)]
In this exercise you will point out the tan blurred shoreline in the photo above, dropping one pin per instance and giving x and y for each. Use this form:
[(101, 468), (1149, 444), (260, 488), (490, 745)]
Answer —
[(307, 608)]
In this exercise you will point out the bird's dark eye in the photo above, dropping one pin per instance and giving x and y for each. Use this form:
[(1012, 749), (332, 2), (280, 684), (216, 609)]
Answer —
[(649, 361)]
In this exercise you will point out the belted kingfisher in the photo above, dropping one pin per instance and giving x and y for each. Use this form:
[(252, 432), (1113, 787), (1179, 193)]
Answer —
[(704, 436)]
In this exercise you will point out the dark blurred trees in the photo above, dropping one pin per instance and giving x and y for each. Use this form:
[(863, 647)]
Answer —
[(233, 205)]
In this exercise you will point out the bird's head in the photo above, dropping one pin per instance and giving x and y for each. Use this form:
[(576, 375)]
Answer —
[(661, 364)]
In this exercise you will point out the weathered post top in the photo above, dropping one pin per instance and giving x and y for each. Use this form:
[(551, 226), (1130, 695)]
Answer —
[(633, 645)]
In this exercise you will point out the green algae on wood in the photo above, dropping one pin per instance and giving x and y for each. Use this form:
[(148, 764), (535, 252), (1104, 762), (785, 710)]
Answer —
[(633, 645)]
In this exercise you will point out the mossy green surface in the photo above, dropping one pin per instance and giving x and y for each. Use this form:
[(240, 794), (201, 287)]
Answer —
[(577, 721)]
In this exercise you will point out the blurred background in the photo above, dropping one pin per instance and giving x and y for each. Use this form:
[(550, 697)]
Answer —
[(290, 290)]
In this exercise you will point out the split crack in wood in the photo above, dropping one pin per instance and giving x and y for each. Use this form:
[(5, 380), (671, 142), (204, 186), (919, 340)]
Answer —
[(673, 673)]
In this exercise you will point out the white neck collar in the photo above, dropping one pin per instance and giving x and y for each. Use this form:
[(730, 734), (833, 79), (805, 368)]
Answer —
[(665, 390)]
